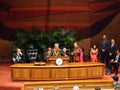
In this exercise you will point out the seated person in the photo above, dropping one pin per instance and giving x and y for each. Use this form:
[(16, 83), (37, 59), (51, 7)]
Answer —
[(116, 82), (76, 88), (115, 62), (77, 53), (97, 88), (56, 50), (18, 56), (48, 53), (64, 52)]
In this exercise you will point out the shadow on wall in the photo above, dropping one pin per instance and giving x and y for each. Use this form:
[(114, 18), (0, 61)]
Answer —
[(7, 33), (95, 28)]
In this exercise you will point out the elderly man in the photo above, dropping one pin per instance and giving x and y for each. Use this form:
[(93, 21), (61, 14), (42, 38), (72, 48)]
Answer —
[(18, 56)]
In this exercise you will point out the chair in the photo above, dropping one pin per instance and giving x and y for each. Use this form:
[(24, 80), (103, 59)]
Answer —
[(32, 55)]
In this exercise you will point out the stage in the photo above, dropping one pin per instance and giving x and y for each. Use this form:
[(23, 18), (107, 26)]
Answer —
[(7, 84)]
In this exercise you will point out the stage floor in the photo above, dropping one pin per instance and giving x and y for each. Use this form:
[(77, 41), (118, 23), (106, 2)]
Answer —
[(6, 82)]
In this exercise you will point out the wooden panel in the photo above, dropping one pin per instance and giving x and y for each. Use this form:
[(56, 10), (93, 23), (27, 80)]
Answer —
[(69, 2), (94, 71), (77, 72), (59, 73), (20, 73), (68, 17), (68, 85), (40, 73), (26, 3), (5, 46), (38, 3), (52, 72)]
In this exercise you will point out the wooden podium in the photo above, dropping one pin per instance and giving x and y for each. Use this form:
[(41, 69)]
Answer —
[(70, 71), (52, 59)]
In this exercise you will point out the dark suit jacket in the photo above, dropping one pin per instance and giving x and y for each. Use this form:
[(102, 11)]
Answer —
[(105, 45), (113, 49), (64, 54)]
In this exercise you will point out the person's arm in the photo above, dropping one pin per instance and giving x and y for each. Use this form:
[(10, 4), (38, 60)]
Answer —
[(101, 45), (81, 55), (107, 46), (91, 52), (119, 59), (74, 52), (116, 61), (97, 51), (113, 51), (14, 58)]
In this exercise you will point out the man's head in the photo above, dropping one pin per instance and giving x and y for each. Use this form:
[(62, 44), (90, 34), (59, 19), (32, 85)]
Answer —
[(112, 41), (56, 45), (64, 49), (18, 50), (115, 78), (104, 37), (76, 88), (76, 45), (97, 88), (49, 48)]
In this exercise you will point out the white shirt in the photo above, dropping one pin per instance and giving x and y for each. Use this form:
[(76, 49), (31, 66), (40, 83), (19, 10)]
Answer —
[(117, 57)]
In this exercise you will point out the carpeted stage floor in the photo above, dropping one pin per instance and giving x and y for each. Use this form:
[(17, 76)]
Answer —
[(5, 78), (7, 84)]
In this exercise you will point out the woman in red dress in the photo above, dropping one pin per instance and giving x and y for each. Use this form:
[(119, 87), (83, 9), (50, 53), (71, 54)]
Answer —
[(77, 53), (94, 54)]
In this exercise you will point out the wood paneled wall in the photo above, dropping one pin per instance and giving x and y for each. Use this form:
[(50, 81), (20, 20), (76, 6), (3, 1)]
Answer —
[(73, 14), (112, 30)]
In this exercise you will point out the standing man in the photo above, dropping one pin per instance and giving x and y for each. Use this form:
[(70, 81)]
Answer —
[(104, 47), (112, 50)]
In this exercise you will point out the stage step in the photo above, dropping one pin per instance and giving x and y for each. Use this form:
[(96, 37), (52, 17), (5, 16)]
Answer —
[(69, 84)]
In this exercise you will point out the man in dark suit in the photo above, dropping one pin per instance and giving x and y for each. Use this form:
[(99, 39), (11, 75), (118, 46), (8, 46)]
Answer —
[(64, 52), (104, 47), (115, 62), (112, 49)]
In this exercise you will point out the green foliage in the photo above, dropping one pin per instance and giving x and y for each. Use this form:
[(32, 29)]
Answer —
[(35, 38)]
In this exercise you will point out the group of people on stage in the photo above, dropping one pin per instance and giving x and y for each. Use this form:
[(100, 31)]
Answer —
[(56, 51), (108, 52)]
